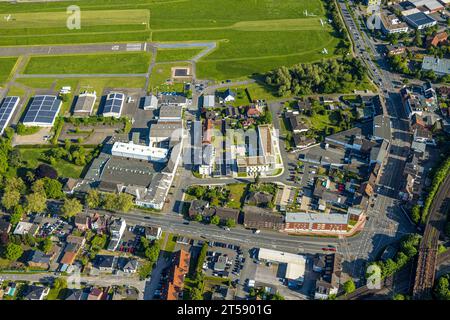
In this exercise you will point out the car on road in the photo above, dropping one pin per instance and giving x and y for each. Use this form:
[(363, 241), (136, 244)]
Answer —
[(256, 231), (186, 222)]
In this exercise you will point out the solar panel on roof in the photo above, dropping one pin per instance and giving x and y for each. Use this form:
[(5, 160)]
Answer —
[(42, 110), (7, 108)]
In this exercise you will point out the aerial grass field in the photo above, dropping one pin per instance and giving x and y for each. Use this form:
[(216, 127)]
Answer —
[(252, 36), (160, 77), (168, 55), (88, 64), (6, 66)]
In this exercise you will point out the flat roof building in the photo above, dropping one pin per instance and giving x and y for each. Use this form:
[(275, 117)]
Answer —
[(439, 66), (7, 109), (141, 152), (85, 104), (43, 111)]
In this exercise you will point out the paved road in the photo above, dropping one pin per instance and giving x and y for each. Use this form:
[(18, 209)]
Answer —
[(73, 49), (88, 75), (386, 223)]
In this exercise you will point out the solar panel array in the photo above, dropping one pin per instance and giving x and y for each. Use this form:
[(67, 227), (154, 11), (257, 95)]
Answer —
[(7, 108), (43, 109), (114, 103)]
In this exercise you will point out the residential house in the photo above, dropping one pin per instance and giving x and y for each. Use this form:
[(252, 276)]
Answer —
[(393, 50), (24, 228), (437, 39), (38, 259), (95, 294), (76, 295), (301, 141), (328, 284), (197, 207), (128, 265), (105, 262), (319, 263), (36, 292), (116, 230), (227, 213), (82, 222), (177, 273), (253, 112), (260, 199), (228, 95), (259, 218), (99, 223), (296, 124), (152, 233)]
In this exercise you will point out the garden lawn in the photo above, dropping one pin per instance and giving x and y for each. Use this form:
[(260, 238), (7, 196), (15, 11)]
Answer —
[(34, 157), (237, 195), (132, 63), (160, 77)]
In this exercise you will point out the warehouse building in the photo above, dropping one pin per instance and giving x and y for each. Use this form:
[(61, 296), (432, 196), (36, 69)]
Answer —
[(420, 20), (150, 103), (439, 66), (295, 264), (114, 105), (170, 113), (43, 111), (7, 108), (85, 104)]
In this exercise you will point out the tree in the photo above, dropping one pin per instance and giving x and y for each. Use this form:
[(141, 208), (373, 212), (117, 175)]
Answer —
[(109, 201), (15, 158), (59, 283), (17, 214), (46, 245), (44, 170), (38, 186), (277, 296), (196, 293), (53, 188), (399, 296), (93, 199), (14, 183), (35, 202), (10, 199), (442, 288), (198, 217), (124, 202), (145, 270), (415, 213), (13, 251), (231, 223), (71, 207), (215, 220), (349, 286)]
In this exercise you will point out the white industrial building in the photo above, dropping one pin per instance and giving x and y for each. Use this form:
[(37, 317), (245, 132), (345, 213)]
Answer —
[(150, 102), (209, 101), (141, 152), (296, 264)]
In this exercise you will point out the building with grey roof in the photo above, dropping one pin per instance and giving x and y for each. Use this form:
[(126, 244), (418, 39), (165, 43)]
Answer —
[(173, 100), (170, 113), (150, 102), (166, 131), (439, 66), (381, 128), (85, 104)]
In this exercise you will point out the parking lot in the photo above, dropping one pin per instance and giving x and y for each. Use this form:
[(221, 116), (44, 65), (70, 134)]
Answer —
[(224, 260)]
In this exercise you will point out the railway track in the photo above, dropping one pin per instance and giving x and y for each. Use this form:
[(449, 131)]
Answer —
[(428, 250)]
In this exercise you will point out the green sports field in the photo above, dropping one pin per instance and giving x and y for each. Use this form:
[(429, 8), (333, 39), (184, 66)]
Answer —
[(252, 36)]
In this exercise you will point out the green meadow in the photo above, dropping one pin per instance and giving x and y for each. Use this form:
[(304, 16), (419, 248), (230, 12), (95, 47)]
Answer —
[(89, 64), (6, 66), (252, 36)]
